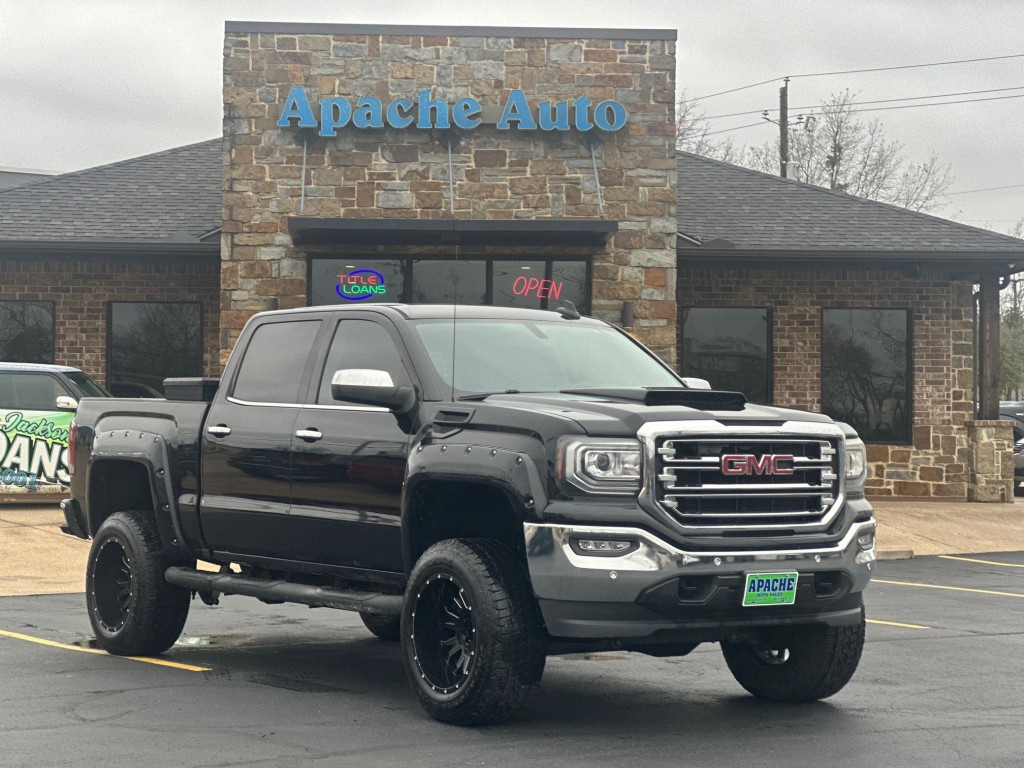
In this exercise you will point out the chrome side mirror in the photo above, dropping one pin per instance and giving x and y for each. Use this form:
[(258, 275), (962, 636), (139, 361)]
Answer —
[(694, 383), (66, 403), (371, 387)]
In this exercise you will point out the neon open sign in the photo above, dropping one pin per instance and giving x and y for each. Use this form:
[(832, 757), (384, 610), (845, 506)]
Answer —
[(336, 112), (360, 285), (532, 286)]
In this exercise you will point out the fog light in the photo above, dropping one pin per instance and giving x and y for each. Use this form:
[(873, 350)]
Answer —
[(866, 542), (603, 547)]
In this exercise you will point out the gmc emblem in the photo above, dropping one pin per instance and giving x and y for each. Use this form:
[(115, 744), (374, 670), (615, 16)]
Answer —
[(748, 464)]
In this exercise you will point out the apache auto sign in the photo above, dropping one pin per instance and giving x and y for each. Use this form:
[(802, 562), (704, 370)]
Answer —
[(581, 113)]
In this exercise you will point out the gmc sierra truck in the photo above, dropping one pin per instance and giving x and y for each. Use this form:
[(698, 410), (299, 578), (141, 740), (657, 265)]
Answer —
[(488, 486)]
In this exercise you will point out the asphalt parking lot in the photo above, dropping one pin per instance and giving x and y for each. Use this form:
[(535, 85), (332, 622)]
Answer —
[(254, 685)]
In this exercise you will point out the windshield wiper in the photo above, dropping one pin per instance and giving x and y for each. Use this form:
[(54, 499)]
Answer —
[(485, 395)]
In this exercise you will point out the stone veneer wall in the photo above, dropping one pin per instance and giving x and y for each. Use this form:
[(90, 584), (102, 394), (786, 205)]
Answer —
[(937, 462), (82, 290), (499, 175), (991, 461)]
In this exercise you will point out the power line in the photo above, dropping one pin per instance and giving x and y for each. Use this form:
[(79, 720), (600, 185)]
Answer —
[(858, 71), (935, 104), (737, 128), (985, 189), (877, 101), (911, 66)]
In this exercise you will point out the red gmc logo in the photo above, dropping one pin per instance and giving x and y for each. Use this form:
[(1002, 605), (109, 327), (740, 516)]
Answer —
[(748, 464)]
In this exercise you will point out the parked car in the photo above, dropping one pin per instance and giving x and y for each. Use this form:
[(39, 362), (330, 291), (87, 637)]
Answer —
[(37, 404), (1013, 411)]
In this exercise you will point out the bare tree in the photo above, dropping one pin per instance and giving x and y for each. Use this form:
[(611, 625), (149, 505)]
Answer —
[(837, 150), (692, 134)]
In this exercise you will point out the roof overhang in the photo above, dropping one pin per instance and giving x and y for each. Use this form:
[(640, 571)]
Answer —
[(960, 262), (537, 232), (35, 249)]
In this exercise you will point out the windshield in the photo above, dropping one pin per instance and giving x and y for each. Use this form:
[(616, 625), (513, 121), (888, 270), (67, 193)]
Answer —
[(86, 386), (538, 356)]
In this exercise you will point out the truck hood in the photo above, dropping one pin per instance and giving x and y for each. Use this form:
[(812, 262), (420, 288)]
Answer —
[(620, 416)]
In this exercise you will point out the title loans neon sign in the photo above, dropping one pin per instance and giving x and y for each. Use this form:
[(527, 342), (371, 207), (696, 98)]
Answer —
[(425, 112), (360, 284)]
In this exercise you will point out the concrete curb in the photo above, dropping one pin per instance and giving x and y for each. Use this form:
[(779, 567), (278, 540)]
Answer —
[(895, 553)]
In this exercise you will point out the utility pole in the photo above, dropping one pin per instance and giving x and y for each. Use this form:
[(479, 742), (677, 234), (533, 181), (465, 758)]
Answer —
[(784, 127)]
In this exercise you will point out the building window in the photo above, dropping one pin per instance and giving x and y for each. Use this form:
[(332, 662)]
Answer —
[(151, 341), (26, 332), (865, 371), (730, 348), (532, 283)]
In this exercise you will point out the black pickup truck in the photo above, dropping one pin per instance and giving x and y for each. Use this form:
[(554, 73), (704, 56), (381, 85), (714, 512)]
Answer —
[(489, 486)]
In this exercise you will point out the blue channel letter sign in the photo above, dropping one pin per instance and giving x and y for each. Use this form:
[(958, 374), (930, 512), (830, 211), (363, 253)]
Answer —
[(424, 112)]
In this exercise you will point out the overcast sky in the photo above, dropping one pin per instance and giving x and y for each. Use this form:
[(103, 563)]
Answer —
[(88, 82)]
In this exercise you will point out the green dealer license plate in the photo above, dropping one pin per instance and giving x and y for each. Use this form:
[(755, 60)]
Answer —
[(770, 588)]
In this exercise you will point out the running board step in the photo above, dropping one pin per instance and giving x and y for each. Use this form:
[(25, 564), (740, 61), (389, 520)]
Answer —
[(280, 591)]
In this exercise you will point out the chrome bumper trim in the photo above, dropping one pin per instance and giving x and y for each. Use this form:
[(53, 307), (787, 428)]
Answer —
[(655, 554)]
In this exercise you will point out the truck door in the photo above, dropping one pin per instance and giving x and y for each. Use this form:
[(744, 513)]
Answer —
[(348, 460), (246, 450)]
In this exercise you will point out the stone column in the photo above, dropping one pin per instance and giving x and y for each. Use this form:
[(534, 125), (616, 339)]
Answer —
[(990, 469)]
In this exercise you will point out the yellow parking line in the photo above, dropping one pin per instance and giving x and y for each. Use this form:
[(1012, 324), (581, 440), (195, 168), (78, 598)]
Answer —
[(65, 646), (983, 562), (896, 624), (941, 586)]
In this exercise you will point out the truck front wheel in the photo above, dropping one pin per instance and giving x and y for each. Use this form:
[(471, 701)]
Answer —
[(813, 662), (132, 609), (472, 639)]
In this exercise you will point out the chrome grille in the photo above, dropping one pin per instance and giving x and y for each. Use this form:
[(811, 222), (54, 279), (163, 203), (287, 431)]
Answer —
[(693, 488)]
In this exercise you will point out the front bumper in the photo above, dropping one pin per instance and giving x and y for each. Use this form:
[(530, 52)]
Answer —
[(659, 593)]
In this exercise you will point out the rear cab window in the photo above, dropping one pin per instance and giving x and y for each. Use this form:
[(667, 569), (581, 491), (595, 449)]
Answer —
[(274, 362)]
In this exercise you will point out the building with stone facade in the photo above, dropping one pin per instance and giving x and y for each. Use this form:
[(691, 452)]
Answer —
[(326, 188)]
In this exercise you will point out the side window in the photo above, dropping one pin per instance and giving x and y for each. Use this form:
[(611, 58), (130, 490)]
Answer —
[(30, 391), (274, 362), (361, 344)]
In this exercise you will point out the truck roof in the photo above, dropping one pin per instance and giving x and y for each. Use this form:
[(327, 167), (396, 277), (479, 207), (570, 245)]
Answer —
[(38, 367), (438, 311)]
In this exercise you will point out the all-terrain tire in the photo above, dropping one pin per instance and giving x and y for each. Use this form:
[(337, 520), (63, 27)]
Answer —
[(815, 663), (132, 609), (387, 628), (473, 643)]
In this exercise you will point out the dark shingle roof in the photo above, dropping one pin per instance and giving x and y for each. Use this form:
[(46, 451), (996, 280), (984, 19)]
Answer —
[(15, 178), (167, 197), (729, 207)]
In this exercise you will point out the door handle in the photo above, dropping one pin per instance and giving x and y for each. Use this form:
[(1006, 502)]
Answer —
[(309, 435), (221, 430)]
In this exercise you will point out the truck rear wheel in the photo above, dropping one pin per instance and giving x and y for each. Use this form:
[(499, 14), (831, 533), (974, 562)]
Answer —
[(472, 639), (813, 663), (132, 609), (387, 628)]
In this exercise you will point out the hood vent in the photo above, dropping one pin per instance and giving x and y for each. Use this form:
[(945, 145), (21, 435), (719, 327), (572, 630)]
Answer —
[(703, 399)]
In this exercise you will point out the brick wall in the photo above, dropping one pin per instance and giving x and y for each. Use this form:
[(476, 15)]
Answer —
[(498, 175), (936, 463), (81, 291)]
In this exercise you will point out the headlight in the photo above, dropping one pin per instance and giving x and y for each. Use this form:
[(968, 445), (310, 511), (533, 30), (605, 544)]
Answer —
[(597, 465), (856, 464)]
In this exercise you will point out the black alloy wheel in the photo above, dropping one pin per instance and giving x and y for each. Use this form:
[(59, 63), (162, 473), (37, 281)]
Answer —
[(112, 584), (132, 608), (473, 642), (443, 634)]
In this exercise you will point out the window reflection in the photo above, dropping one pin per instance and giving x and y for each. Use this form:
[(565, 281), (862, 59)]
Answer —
[(729, 348), (26, 332), (449, 281), (865, 364), (152, 341)]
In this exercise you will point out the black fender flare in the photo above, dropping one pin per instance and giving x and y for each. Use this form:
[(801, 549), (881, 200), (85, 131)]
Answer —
[(513, 473), (148, 449)]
